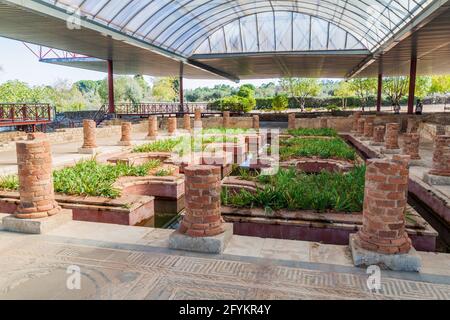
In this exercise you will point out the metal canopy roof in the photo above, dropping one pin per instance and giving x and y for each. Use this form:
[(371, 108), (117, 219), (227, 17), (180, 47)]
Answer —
[(226, 38)]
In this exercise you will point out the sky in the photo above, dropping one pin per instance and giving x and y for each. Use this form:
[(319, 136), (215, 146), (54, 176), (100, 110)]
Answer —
[(18, 63)]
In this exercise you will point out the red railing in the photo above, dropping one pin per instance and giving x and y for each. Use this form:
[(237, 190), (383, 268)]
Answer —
[(17, 114), (143, 109)]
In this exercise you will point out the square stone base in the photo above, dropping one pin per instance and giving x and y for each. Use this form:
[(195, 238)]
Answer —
[(124, 144), (36, 226), (376, 144), (417, 163), (88, 150), (390, 151), (151, 138), (433, 180), (397, 262), (216, 244)]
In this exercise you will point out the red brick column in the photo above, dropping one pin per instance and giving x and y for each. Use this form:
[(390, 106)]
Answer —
[(292, 121), (411, 144), (356, 117), (202, 191), (385, 202), (256, 122), (226, 119), (89, 134), (368, 127), (392, 130), (198, 114), (126, 134), (361, 125), (37, 197), (441, 157), (187, 122), (378, 134), (172, 126), (152, 127), (323, 123)]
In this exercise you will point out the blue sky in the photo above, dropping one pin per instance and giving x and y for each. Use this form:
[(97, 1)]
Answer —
[(18, 63)]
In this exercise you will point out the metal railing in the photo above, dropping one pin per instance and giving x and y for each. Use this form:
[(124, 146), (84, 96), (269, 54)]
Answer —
[(154, 108), (17, 114)]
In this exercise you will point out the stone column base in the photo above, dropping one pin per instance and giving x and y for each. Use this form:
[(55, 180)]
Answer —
[(376, 144), (124, 143), (36, 226), (390, 151), (215, 245), (151, 138), (364, 138), (87, 150), (397, 262), (434, 180)]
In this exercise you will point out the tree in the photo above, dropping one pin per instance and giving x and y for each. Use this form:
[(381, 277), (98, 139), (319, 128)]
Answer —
[(164, 89), (300, 88), (343, 91), (440, 84), (67, 97), (280, 102), (423, 86), (364, 88), (395, 88)]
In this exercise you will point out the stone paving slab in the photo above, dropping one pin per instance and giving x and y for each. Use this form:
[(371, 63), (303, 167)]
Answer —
[(121, 262)]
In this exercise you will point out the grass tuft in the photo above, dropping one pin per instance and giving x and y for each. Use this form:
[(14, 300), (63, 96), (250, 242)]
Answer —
[(326, 149), (306, 132)]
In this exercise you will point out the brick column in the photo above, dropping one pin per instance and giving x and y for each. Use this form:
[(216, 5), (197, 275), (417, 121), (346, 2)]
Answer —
[(441, 157), (202, 192), (152, 127), (411, 142), (187, 122), (172, 126), (126, 134), (292, 121), (368, 127), (256, 122), (378, 134), (392, 130), (198, 114), (356, 117), (37, 198), (413, 126), (361, 125), (89, 134), (226, 119), (385, 202), (323, 123)]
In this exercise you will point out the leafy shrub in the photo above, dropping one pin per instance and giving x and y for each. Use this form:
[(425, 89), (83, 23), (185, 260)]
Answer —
[(294, 190), (323, 148), (89, 178), (280, 103), (322, 132), (10, 182)]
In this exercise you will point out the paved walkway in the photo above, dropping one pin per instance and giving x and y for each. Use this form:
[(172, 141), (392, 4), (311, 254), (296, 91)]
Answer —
[(119, 262)]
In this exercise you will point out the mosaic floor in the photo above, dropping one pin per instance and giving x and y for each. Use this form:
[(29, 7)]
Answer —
[(35, 267)]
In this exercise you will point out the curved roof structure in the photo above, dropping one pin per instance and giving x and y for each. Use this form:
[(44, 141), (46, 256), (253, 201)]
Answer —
[(239, 39), (182, 26)]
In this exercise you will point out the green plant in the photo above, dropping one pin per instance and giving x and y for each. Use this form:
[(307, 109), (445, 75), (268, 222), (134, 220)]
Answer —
[(10, 182), (334, 148), (163, 173), (89, 178), (294, 190), (280, 103), (322, 132), (166, 145)]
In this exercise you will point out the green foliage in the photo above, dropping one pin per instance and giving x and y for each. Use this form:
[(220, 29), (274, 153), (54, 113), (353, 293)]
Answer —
[(294, 190), (334, 148), (89, 178), (440, 84), (280, 103), (165, 89), (10, 183), (305, 132), (166, 145), (244, 101), (364, 88), (301, 88)]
